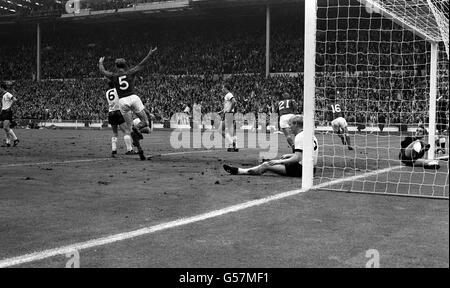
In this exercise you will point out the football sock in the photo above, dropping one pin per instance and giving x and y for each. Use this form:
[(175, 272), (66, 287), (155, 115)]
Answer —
[(12, 135), (8, 140), (347, 138), (127, 140), (229, 139), (249, 171), (342, 139), (114, 143), (243, 171)]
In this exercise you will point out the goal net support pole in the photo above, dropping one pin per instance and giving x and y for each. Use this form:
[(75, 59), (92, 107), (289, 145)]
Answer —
[(309, 92), (432, 104)]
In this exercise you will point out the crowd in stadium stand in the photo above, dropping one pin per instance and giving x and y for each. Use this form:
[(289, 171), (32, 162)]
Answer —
[(166, 95), (192, 59)]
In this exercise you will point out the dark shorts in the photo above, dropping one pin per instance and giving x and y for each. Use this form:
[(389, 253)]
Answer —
[(294, 169), (115, 118), (6, 115)]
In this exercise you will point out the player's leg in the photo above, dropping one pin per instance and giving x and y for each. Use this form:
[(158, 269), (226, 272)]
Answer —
[(234, 133), (257, 170), (127, 131), (427, 164), (115, 129), (7, 137), (347, 138), (10, 135), (125, 109), (137, 137), (138, 108), (337, 130), (226, 135), (291, 169), (227, 126), (342, 125), (440, 140)]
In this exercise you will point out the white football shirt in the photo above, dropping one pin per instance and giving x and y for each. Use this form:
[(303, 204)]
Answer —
[(227, 104), (7, 101), (299, 141), (113, 100)]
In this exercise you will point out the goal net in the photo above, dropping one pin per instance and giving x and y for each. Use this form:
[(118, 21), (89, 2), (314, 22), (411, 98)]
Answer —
[(382, 65)]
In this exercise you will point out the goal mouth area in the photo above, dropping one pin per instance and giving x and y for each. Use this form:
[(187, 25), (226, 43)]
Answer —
[(384, 65)]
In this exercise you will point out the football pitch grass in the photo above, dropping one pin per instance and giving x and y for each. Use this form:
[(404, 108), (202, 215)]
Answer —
[(60, 191)]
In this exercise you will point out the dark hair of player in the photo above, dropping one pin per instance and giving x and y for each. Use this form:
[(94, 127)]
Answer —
[(121, 63), (227, 86), (110, 84), (286, 96)]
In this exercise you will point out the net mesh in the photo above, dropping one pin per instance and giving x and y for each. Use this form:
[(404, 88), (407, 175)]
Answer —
[(373, 69)]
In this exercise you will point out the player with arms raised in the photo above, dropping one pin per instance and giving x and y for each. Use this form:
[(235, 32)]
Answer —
[(338, 122), (6, 116), (287, 108), (123, 81)]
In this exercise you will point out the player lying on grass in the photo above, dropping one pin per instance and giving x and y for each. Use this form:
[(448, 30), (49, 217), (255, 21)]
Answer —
[(413, 150), (289, 164)]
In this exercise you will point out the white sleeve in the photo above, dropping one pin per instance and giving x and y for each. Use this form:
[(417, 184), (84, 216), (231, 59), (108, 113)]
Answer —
[(228, 97)]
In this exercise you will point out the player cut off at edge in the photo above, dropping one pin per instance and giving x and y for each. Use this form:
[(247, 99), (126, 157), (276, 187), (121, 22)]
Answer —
[(289, 164), (129, 102), (413, 149), (6, 116)]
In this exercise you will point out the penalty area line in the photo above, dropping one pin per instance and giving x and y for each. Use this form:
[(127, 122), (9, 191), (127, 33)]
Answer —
[(45, 254)]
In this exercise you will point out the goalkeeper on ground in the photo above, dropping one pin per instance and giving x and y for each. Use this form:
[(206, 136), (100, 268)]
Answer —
[(413, 149)]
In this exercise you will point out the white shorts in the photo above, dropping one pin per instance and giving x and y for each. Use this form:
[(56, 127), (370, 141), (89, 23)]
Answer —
[(136, 122), (284, 120), (338, 124), (131, 103)]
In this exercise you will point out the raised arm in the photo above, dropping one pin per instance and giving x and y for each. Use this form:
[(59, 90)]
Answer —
[(142, 64), (102, 68)]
